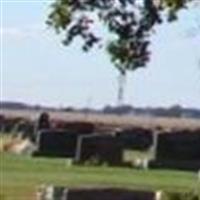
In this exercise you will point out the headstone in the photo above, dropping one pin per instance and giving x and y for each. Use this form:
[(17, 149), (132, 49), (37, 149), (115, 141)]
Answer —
[(99, 149), (109, 194), (57, 142), (2, 119), (62, 193), (75, 126), (179, 146), (178, 150), (43, 121), (136, 138)]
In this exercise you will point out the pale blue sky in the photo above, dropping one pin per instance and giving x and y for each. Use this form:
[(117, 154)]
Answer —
[(37, 69)]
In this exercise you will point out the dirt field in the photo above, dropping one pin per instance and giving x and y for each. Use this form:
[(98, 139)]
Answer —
[(112, 120)]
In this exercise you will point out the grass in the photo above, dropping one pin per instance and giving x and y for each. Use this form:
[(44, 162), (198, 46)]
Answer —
[(21, 176)]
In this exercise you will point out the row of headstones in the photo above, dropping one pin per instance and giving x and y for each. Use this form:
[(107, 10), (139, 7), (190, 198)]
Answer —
[(81, 147), (179, 150), (29, 128), (15, 124), (90, 146)]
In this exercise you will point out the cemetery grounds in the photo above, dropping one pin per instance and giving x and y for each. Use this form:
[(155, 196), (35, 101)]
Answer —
[(21, 177)]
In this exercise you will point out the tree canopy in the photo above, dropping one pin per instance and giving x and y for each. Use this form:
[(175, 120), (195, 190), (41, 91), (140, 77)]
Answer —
[(129, 21)]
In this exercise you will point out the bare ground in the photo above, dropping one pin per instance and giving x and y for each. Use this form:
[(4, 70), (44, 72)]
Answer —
[(112, 120)]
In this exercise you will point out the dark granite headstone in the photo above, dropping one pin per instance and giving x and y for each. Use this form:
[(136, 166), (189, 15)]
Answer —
[(178, 150), (179, 146), (136, 138), (75, 126), (62, 193), (109, 194), (43, 121), (2, 119), (57, 143), (100, 149)]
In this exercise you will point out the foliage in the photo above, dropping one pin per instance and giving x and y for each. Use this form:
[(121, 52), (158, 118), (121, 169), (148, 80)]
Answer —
[(129, 20)]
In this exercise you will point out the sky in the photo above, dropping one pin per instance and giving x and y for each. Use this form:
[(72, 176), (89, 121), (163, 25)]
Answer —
[(37, 69)]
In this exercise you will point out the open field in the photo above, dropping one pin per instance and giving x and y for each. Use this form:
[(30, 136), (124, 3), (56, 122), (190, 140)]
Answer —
[(21, 176), (112, 120)]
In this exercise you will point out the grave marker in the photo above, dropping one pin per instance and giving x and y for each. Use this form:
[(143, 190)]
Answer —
[(178, 150), (100, 149), (136, 138), (62, 193), (57, 143)]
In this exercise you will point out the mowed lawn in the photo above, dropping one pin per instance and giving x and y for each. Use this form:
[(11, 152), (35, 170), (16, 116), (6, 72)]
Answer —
[(21, 176)]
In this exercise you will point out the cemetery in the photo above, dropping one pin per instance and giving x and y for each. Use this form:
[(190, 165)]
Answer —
[(81, 142), (80, 126), (81, 147)]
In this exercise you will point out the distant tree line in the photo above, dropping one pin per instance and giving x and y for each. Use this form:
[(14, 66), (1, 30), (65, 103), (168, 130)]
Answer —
[(173, 111)]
